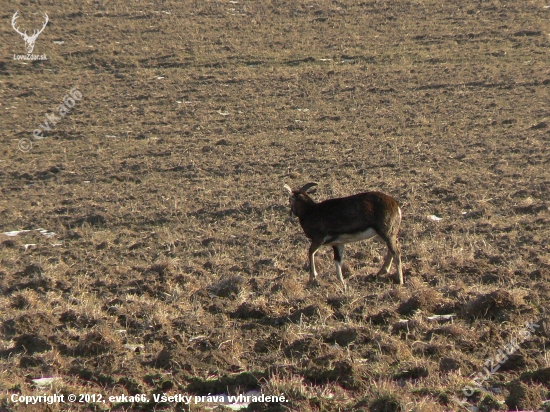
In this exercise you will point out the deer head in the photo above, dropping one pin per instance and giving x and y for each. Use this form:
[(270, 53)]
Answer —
[(29, 40)]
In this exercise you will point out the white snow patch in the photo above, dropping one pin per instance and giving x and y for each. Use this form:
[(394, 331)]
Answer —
[(41, 382), (442, 317), (40, 230)]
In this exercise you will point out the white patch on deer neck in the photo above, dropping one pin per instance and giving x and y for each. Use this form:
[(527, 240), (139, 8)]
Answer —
[(353, 237)]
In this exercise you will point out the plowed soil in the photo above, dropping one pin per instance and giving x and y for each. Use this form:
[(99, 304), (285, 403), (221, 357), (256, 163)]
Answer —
[(166, 260)]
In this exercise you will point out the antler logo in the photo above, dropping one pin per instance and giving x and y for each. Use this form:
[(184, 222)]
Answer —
[(29, 40)]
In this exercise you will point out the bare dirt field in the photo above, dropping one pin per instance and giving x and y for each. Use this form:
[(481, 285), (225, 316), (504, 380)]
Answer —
[(167, 261)]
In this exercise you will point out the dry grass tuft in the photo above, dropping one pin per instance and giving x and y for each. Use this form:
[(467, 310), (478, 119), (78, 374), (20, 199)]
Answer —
[(523, 397), (497, 305)]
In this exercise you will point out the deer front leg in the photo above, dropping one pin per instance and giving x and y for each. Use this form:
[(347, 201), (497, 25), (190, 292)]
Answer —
[(312, 272)]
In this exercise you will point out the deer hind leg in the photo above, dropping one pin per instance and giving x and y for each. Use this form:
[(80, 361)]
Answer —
[(393, 252), (387, 263), (396, 252), (399, 267), (338, 252)]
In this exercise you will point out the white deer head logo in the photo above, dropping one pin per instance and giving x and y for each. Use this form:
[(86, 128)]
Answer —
[(29, 40)]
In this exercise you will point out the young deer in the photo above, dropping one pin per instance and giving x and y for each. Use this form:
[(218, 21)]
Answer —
[(336, 222)]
